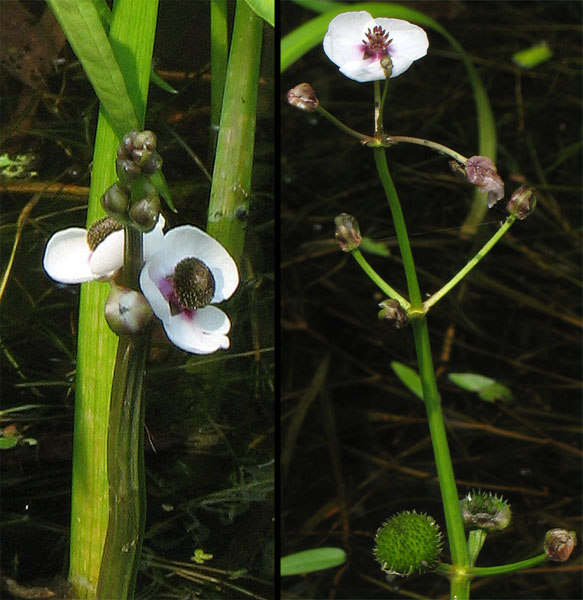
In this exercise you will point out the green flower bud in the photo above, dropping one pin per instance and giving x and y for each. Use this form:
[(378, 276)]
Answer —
[(347, 232), (127, 312), (484, 510), (559, 544), (127, 171), (144, 213), (408, 542), (115, 202)]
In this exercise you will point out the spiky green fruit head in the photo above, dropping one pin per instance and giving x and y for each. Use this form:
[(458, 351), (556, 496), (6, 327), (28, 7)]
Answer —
[(408, 542), (484, 510)]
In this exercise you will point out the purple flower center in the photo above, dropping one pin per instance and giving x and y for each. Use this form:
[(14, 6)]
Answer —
[(376, 43)]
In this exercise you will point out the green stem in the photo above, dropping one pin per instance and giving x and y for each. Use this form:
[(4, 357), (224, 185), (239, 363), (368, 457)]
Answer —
[(125, 456), (219, 55), (400, 228), (435, 298), (231, 187), (365, 139), (378, 280), (449, 571), (453, 517), (396, 139)]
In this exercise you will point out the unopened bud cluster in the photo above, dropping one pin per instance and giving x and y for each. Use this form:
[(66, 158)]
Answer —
[(133, 199)]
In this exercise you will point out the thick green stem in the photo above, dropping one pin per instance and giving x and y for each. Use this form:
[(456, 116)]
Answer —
[(125, 458), (229, 201), (453, 517)]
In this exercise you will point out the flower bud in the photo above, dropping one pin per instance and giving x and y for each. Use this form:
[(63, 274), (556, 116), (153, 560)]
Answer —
[(115, 202), (481, 172), (387, 65), (408, 542), (144, 213), (127, 171), (522, 202), (393, 312), (484, 510), (127, 312), (304, 97), (559, 544), (124, 150), (347, 232), (152, 164)]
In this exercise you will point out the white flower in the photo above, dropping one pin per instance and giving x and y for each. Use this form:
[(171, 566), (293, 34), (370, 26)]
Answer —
[(190, 271), (69, 258), (356, 43)]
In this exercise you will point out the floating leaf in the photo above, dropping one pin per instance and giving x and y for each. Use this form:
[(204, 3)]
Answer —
[(312, 560), (486, 388), (409, 377)]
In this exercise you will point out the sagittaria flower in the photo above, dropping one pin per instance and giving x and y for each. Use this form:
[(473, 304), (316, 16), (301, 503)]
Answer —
[(191, 271), (358, 44), (76, 255)]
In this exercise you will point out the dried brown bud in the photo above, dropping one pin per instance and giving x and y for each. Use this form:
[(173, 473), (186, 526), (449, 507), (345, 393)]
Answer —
[(393, 312), (559, 544), (304, 97), (347, 232), (522, 202), (481, 172)]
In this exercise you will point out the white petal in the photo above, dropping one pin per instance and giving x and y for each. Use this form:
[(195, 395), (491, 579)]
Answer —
[(153, 295), (66, 257), (201, 332), (363, 70), (153, 240), (343, 43), (108, 255), (186, 240)]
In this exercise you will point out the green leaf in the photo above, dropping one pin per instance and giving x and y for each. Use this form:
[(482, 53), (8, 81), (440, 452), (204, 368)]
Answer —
[(533, 56), (8, 442), (81, 23), (312, 560), (486, 388), (372, 247), (409, 377), (264, 9)]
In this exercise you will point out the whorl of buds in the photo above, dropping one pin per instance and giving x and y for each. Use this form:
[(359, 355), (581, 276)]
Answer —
[(481, 172), (347, 232), (393, 312), (484, 510), (303, 97), (522, 202), (408, 542), (559, 544)]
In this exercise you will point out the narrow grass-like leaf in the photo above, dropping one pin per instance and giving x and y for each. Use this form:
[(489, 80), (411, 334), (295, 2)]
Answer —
[(409, 378), (308, 561), (264, 9), (82, 25)]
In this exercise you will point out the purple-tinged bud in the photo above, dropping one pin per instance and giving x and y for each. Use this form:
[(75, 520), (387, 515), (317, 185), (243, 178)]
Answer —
[(484, 510), (127, 312), (559, 544), (304, 97), (393, 312), (481, 172), (152, 164), (347, 232), (522, 202)]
